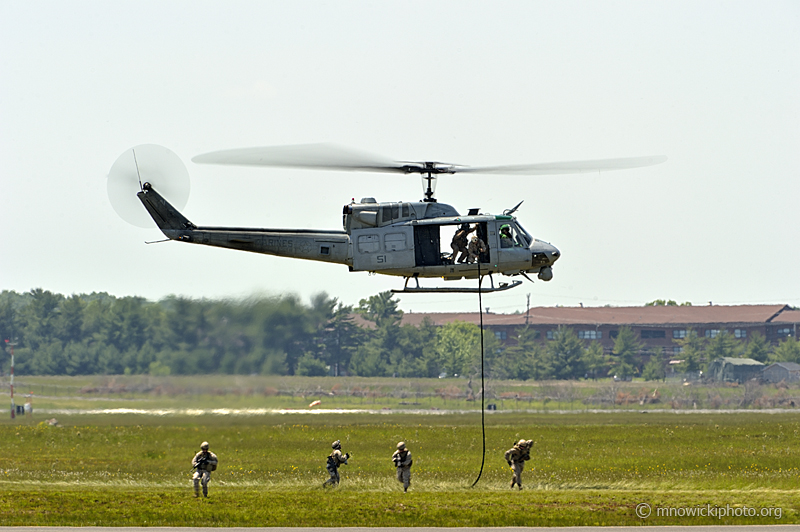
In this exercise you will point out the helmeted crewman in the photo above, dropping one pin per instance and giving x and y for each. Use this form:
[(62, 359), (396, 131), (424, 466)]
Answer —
[(516, 458), (476, 247), (402, 461), (203, 464), (335, 459), (506, 239), (459, 243)]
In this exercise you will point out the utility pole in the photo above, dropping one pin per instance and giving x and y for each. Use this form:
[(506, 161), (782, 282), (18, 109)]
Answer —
[(528, 310), (13, 408)]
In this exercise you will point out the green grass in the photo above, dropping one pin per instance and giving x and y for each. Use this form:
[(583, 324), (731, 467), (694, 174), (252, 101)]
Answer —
[(275, 392), (587, 469)]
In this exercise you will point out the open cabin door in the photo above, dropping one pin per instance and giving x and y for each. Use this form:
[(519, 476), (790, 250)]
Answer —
[(427, 246)]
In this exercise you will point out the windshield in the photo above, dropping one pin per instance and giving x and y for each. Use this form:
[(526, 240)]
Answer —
[(522, 235)]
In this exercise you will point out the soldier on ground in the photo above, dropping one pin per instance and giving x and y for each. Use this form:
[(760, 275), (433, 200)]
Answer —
[(516, 458), (335, 459), (402, 461), (203, 463), (459, 243)]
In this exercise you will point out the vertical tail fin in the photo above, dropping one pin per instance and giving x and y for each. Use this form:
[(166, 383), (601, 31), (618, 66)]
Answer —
[(167, 217)]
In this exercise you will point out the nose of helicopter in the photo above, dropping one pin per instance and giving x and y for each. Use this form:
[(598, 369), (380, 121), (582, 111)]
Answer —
[(544, 254)]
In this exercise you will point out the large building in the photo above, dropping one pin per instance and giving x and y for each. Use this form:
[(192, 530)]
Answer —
[(656, 327)]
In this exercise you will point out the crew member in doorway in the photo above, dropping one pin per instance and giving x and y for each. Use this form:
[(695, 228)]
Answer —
[(459, 243), (476, 247)]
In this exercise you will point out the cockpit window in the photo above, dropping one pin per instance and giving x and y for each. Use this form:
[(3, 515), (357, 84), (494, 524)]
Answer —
[(512, 235), (525, 236)]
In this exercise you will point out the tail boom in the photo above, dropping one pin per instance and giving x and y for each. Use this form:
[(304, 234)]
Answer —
[(324, 246)]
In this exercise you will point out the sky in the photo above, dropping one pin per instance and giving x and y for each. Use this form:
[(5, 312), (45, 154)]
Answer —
[(712, 85)]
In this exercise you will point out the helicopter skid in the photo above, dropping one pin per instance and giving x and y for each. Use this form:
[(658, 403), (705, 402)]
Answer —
[(460, 290)]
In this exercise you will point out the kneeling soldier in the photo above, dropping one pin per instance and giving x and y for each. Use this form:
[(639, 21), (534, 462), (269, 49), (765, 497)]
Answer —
[(335, 459), (203, 463), (516, 458), (402, 461)]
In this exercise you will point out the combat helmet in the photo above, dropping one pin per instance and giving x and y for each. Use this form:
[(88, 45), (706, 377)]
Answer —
[(204, 446), (336, 445), (401, 446)]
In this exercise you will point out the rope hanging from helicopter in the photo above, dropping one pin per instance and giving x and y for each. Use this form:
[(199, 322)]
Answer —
[(483, 387)]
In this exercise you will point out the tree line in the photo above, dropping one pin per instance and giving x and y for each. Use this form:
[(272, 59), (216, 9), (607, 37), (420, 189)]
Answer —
[(98, 333)]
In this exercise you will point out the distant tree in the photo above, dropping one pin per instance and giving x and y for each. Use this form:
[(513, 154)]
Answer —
[(623, 356), (565, 355), (692, 352), (723, 345), (380, 308), (311, 366), (458, 345), (788, 350), (758, 348), (667, 303), (523, 360), (654, 370), (594, 360)]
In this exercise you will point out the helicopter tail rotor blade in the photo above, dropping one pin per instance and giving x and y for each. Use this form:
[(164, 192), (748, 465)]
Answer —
[(567, 167), (146, 163), (316, 156)]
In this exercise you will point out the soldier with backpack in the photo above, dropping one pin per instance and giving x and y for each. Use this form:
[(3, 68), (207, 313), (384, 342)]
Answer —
[(335, 459), (402, 461), (203, 464), (516, 458)]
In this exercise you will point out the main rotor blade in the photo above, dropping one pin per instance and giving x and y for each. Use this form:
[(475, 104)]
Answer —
[(318, 156), (568, 167)]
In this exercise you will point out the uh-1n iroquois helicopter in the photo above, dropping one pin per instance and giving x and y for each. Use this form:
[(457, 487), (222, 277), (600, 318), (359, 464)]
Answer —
[(406, 239)]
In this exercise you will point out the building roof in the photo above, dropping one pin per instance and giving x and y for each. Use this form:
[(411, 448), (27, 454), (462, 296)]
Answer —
[(594, 316), (788, 316), (740, 361), (788, 366)]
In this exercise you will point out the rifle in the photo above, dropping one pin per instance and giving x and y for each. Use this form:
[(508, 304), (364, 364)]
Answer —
[(203, 461)]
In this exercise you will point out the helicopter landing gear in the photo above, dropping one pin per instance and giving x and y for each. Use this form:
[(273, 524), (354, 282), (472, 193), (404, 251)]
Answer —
[(454, 290)]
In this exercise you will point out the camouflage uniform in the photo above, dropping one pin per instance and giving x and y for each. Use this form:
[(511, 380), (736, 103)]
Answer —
[(476, 247), (459, 243), (335, 459), (516, 458), (204, 463), (402, 461)]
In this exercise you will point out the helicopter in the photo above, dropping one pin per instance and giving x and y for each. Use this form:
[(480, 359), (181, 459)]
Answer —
[(404, 239)]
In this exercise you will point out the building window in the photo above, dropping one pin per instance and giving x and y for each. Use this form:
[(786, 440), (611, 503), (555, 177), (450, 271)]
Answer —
[(590, 335), (677, 350), (679, 333), (653, 334), (550, 335), (500, 335), (613, 334), (740, 333), (712, 333), (784, 332)]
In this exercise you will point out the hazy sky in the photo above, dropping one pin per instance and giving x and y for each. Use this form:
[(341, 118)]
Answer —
[(712, 85)]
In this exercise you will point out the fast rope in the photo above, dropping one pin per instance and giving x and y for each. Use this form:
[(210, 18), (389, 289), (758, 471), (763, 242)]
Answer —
[(483, 388)]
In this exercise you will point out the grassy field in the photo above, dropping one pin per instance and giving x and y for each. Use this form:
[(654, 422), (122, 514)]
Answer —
[(587, 469), (275, 392)]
